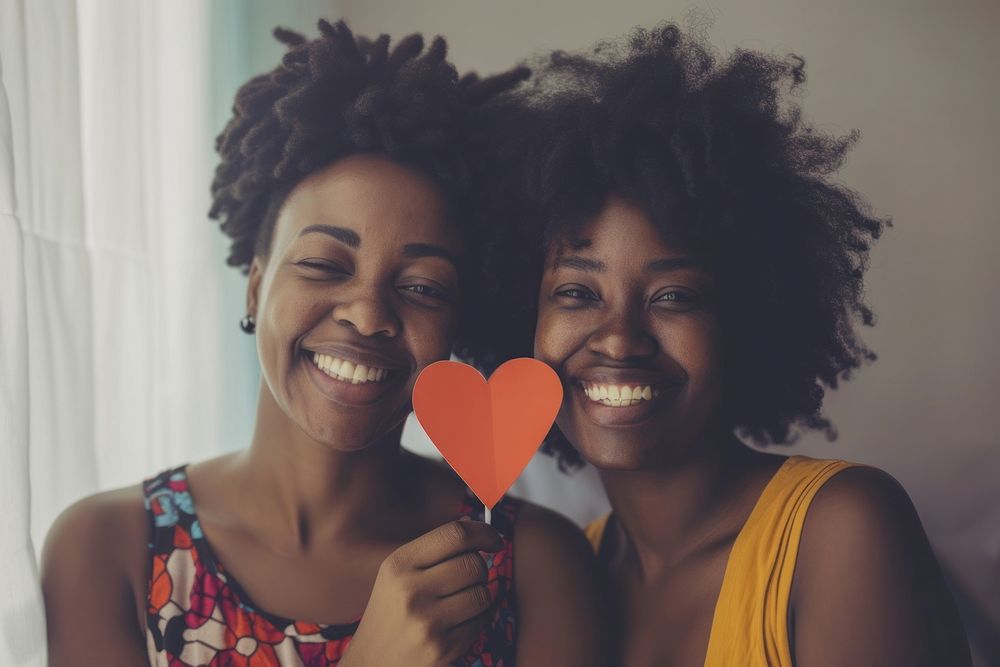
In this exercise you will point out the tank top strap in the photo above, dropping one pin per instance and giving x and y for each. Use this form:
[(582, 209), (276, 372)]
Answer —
[(595, 532), (750, 625), (170, 509)]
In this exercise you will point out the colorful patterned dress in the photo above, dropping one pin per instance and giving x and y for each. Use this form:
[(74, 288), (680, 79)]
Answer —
[(197, 613)]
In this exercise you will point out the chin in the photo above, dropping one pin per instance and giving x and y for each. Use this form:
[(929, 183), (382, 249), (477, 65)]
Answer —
[(356, 435), (643, 452), (615, 453)]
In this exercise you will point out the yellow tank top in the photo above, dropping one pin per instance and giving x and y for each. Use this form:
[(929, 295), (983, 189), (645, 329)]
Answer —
[(750, 624)]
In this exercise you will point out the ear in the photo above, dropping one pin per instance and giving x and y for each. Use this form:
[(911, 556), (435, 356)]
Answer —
[(256, 274)]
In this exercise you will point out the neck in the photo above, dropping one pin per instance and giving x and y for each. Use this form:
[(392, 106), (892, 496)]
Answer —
[(313, 493), (666, 513)]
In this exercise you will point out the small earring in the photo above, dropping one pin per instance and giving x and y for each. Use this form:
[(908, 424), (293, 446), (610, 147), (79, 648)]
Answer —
[(248, 325)]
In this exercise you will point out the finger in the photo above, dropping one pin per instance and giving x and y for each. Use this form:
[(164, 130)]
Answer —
[(466, 604), (461, 637), (447, 541), (455, 574)]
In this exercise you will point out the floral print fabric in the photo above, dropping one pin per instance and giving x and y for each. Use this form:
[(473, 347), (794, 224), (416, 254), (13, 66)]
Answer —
[(198, 615)]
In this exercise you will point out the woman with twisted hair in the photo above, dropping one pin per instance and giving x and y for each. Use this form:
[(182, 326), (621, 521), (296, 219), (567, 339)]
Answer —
[(666, 234), (343, 187)]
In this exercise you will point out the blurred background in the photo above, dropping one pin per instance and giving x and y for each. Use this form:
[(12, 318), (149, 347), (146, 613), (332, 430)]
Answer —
[(120, 352)]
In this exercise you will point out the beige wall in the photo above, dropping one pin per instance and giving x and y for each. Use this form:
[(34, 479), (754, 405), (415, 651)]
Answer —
[(918, 79)]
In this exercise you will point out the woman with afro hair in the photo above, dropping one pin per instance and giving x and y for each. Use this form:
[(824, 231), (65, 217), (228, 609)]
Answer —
[(343, 187), (666, 234)]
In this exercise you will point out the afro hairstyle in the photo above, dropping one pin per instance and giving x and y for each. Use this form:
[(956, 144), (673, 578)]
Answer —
[(660, 119)]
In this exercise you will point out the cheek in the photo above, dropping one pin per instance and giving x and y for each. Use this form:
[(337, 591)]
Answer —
[(697, 346), (289, 312), (559, 332), (284, 317), (551, 337), (431, 334)]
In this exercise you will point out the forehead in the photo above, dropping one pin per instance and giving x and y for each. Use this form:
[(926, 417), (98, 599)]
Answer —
[(381, 200), (621, 230)]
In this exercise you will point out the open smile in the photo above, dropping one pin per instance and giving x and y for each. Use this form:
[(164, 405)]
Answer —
[(622, 397), (347, 371), (619, 395), (350, 382)]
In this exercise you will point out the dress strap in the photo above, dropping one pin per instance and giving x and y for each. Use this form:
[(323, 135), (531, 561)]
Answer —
[(166, 497)]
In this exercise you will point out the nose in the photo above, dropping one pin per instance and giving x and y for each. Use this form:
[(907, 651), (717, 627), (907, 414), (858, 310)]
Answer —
[(367, 311), (622, 337)]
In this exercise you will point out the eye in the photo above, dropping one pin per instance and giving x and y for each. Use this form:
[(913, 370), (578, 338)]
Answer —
[(427, 291), (577, 292), (320, 266), (678, 299)]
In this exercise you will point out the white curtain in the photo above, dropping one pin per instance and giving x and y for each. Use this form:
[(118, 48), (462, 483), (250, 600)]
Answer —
[(110, 341), (23, 631), (120, 264)]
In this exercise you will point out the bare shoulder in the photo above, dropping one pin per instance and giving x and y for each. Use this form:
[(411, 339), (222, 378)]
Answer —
[(862, 503), (557, 585), (867, 587), (864, 518), (109, 528), (95, 557), (860, 522), (548, 532)]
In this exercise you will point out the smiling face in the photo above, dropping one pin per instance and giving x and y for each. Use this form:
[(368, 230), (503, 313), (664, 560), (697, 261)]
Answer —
[(358, 293), (627, 321)]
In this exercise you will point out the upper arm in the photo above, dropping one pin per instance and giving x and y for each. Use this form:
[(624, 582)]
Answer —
[(867, 589), (89, 571), (557, 588)]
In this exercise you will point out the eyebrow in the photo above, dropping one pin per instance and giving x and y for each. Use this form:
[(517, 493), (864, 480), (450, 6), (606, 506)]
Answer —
[(346, 236), (580, 264), (350, 238), (428, 250)]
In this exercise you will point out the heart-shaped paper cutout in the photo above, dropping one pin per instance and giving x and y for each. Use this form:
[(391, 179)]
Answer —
[(487, 431)]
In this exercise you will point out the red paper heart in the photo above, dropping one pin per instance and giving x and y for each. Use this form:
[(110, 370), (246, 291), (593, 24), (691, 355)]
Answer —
[(487, 431)]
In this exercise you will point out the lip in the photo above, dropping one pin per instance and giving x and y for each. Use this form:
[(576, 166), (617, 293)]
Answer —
[(345, 393)]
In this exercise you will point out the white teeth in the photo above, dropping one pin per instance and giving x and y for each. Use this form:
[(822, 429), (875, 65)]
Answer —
[(619, 395), (347, 371)]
